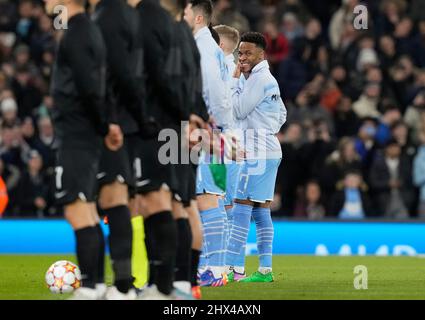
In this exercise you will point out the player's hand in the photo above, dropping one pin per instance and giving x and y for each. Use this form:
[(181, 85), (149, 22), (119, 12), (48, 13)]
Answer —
[(238, 71), (114, 138)]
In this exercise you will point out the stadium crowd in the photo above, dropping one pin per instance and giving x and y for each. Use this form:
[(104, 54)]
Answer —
[(355, 100)]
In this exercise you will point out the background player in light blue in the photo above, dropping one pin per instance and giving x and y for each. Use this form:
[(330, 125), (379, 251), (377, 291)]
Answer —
[(217, 99), (229, 41), (260, 111)]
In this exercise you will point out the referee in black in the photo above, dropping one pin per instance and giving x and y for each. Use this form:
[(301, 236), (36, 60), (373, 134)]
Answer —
[(119, 24), (82, 128)]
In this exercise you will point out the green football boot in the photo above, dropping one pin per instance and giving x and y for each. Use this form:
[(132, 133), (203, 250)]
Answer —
[(259, 277)]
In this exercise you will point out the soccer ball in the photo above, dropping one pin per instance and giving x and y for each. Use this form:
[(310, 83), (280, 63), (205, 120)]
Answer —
[(63, 277)]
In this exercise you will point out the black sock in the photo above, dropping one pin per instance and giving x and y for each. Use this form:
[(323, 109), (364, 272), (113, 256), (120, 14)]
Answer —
[(194, 267), (87, 241), (161, 246), (101, 263), (120, 244), (184, 244)]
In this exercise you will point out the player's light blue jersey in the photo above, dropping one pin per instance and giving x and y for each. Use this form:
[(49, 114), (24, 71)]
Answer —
[(215, 79), (259, 112)]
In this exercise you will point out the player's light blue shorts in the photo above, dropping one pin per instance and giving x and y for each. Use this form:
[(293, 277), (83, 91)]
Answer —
[(205, 181), (257, 179), (232, 178)]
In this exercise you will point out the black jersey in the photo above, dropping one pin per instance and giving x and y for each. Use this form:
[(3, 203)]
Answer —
[(192, 70), (78, 85), (163, 65), (119, 24)]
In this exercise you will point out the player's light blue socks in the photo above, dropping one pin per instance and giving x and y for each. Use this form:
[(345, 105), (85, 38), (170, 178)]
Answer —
[(235, 255), (226, 230), (229, 223), (265, 233), (213, 223)]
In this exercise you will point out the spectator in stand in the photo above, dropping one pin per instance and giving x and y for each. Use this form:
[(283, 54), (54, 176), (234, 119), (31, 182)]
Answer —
[(294, 71), (291, 26), (367, 104), (33, 189), (44, 142), (26, 24), (391, 13), (419, 174), (413, 116), (346, 121), (418, 45), (351, 201), (225, 13), (28, 132), (9, 113), (311, 205), (403, 35), (315, 152), (340, 161), (402, 78), (365, 143), (277, 45), (390, 179), (343, 15), (10, 175), (388, 54), (400, 132), (389, 118), (289, 176)]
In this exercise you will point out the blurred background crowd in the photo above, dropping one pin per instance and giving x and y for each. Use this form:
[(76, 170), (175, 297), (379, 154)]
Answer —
[(354, 142)]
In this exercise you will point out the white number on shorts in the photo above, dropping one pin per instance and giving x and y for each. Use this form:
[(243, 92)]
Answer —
[(137, 166), (59, 172)]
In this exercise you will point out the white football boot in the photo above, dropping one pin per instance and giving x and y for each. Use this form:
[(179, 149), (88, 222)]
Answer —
[(152, 293), (114, 294), (84, 294)]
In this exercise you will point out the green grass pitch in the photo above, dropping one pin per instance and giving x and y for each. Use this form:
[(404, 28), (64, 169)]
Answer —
[(296, 277)]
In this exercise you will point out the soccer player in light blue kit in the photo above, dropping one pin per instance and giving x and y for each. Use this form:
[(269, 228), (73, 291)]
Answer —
[(260, 111), (216, 94)]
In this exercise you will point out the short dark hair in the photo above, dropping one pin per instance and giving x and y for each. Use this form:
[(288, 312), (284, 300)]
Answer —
[(205, 6), (255, 37)]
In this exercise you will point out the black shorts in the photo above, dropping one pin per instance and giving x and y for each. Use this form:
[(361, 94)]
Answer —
[(152, 175), (115, 166), (75, 174), (186, 188)]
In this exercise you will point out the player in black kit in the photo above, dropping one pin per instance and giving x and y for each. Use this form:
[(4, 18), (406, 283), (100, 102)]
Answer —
[(119, 24), (82, 127), (164, 104)]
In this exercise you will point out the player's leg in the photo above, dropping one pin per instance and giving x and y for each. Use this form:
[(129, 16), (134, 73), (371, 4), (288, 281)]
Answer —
[(184, 243), (114, 178), (241, 212), (262, 217), (197, 240), (79, 215), (161, 239), (75, 181), (139, 259), (213, 222), (113, 201)]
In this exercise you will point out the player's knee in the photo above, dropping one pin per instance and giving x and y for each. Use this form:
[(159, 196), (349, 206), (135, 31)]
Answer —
[(207, 202), (113, 195), (79, 215), (155, 202), (178, 210)]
